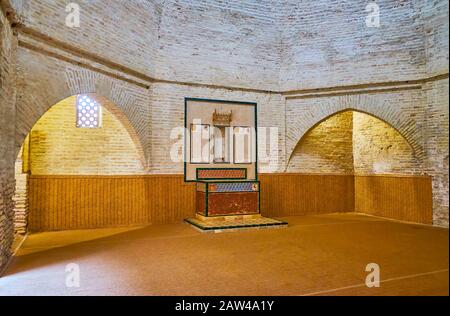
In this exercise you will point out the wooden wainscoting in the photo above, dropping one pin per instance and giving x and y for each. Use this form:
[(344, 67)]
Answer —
[(406, 198), (286, 194), (78, 202)]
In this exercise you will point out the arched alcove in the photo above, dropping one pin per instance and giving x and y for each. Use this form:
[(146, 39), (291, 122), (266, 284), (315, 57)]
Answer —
[(353, 142), (60, 147), (56, 146), (36, 96)]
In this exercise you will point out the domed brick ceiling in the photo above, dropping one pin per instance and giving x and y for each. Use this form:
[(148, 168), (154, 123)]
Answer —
[(255, 44)]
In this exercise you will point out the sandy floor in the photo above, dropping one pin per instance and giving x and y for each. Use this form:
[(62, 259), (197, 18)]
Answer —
[(316, 255)]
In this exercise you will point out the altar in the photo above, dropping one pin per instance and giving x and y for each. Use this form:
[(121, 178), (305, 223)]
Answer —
[(227, 198), (221, 158)]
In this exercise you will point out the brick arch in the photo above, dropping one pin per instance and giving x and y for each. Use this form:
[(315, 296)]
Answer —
[(123, 119), (305, 115), (43, 84), (299, 143)]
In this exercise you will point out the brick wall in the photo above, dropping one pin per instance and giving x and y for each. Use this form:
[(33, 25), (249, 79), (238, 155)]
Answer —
[(20, 197), (209, 41), (57, 146), (233, 43), (435, 16), (436, 147), (255, 43), (436, 30), (322, 40), (379, 149), (327, 148), (7, 116), (109, 28)]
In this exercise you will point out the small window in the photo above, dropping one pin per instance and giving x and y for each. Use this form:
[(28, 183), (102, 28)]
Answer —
[(200, 151), (242, 145), (221, 144), (89, 113)]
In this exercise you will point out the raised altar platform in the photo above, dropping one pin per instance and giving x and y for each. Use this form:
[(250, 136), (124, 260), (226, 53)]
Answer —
[(233, 223)]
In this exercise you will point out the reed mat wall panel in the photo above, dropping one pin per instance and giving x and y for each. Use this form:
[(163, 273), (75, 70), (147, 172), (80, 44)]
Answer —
[(305, 194), (406, 198), (79, 202)]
